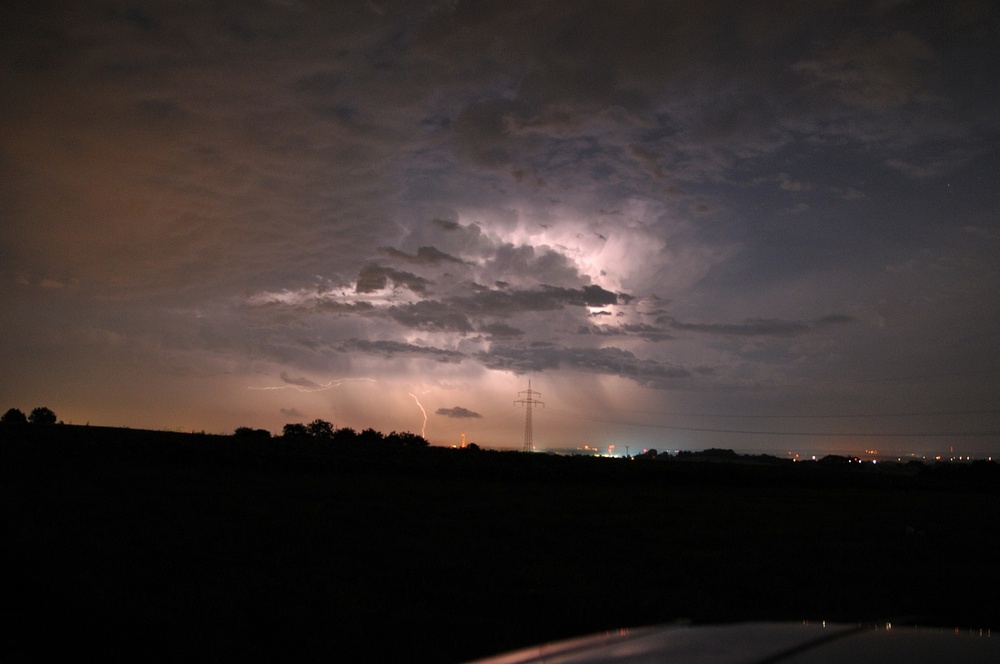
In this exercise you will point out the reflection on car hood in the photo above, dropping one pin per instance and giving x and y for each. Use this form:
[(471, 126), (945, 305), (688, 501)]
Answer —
[(766, 643)]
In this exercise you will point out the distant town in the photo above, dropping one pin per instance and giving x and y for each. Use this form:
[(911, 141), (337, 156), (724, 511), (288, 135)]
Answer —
[(864, 456)]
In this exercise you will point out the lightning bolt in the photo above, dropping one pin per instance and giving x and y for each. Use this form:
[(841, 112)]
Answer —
[(317, 388), (423, 429)]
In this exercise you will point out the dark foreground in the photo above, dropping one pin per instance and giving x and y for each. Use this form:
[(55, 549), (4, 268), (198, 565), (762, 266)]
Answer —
[(140, 545)]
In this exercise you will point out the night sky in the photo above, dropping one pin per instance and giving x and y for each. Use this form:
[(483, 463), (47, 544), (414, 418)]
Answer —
[(760, 226)]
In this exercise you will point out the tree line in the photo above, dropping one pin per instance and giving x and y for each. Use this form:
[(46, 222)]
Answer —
[(321, 430), (15, 418), (317, 430)]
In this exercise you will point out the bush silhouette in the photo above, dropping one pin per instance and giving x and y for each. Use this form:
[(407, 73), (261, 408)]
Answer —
[(295, 431), (406, 439), (42, 415), (13, 419), (249, 433), (320, 429)]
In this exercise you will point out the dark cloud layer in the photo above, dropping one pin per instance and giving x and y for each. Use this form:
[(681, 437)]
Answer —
[(390, 349), (423, 256), (759, 327), (458, 413), (613, 361), (375, 277), (299, 382)]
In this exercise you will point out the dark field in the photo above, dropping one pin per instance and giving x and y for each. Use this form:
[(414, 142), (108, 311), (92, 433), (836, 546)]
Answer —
[(168, 546)]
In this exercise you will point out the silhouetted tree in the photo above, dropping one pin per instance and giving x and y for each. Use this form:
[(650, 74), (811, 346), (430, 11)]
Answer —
[(370, 435), (345, 435), (406, 439), (13, 419), (252, 434), (295, 431), (320, 429), (42, 415)]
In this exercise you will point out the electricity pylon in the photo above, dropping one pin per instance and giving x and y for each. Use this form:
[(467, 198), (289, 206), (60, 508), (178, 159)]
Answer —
[(529, 400)]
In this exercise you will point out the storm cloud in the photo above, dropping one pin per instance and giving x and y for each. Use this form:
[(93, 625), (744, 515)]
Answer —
[(651, 206)]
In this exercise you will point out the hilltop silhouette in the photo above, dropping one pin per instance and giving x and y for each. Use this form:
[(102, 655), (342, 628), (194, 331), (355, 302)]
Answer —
[(338, 545)]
